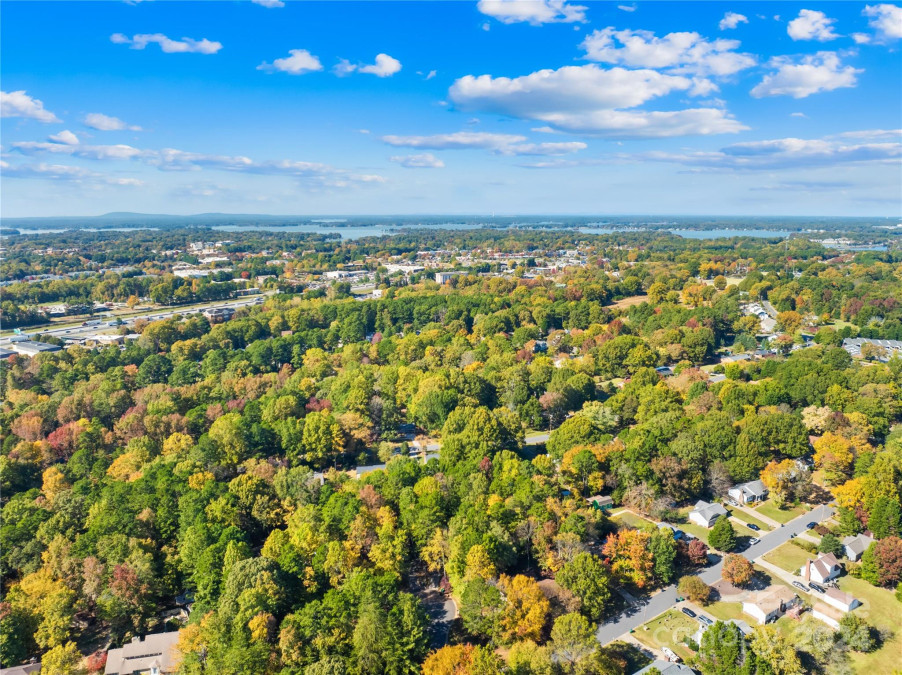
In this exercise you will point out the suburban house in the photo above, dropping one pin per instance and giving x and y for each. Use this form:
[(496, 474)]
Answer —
[(753, 491), (822, 570), (601, 503), (666, 668), (856, 545), (743, 627), (829, 615), (705, 514), (770, 604), (24, 669), (153, 655), (843, 601)]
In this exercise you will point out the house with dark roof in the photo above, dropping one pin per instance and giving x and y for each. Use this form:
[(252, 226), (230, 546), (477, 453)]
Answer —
[(666, 668)]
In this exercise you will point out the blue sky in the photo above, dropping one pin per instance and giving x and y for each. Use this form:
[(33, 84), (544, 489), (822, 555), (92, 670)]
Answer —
[(506, 106)]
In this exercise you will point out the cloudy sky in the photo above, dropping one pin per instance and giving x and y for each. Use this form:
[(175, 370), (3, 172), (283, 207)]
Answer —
[(511, 106)]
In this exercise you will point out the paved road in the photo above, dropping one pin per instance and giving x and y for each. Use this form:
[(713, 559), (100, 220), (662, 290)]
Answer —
[(649, 608)]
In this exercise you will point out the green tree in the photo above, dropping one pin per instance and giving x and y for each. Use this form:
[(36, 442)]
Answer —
[(573, 639), (587, 577), (722, 536), (322, 439), (724, 650)]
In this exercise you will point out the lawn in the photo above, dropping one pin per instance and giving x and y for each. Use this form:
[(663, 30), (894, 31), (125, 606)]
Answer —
[(746, 518), (726, 611), (668, 630), (630, 519), (788, 557), (743, 531), (695, 530), (783, 515), (881, 610)]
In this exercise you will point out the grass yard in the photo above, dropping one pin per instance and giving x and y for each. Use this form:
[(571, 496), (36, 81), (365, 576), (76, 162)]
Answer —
[(695, 530), (668, 630), (726, 611), (784, 515), (881, 610), (746, 518), (743, 531), (630, 519), (788, 557)]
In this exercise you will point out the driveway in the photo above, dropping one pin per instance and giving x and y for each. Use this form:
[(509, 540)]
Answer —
[(649, 607)]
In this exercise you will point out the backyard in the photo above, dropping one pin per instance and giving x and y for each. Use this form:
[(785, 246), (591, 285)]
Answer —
[(880, 609), (668, 630)]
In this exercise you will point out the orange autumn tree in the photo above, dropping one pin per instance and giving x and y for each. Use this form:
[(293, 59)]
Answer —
[(631, 559)]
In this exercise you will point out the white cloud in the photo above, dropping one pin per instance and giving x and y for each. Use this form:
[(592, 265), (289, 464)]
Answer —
[(20, 104), (298, 62), (791, 153), (65, 137), (681, 53), (99, 152), (269, 4), (425, 161), (501, 144), (861, 38), (103, 122), (430, 75), (168, 45), (812, 25), (731, 19), (385, 66), (533, 12), (886, 20), (62, 172), (461, 140), (798, 114), (812, 74), (588, 100), (311, 174), (627, 8)]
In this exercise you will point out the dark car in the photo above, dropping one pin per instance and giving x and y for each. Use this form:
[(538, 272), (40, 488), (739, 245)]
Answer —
[(817, 587), (752, 526), (800, 586), (705, 620), (688, 612), (811, 526)]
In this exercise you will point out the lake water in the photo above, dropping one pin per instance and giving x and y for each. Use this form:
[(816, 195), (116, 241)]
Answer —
[(697, 234)]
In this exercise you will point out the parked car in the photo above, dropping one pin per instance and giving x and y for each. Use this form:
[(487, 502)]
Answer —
[(705, 620), (753, 541), (754, 527), (811, 525), (801, 586), (688, 612), (818, 588)]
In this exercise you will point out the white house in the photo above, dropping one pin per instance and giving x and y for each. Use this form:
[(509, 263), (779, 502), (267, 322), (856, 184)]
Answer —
[(822, 570), (842, 601), (770, 604), (705, 514), (856, 545), (753, 491)]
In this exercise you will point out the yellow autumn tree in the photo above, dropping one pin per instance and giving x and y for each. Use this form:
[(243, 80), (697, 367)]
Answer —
[(479, 564), (833, 454), (449, 660), (54, 483), (525, 609)]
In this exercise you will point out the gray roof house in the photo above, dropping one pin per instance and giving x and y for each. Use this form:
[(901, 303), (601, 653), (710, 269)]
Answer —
[(24, 669), (856, 545), (153, 655), (705, 513), (753, 491), (666, 668)]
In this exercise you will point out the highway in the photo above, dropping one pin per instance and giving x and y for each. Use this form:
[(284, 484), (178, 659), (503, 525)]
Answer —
[(80, 332), (650, 607)]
